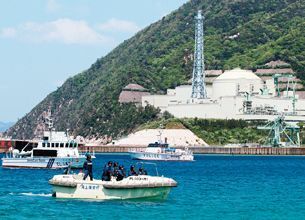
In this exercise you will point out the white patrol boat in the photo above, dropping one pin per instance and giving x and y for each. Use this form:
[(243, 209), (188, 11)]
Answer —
[(160, 151), (132, 187), (56, 150)]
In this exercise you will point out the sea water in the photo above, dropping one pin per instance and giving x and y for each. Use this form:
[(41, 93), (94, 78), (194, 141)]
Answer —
[(212, 187)]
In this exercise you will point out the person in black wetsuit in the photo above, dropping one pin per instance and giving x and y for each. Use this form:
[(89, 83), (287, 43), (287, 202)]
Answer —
[(88, 168), (142, 171), (120, 173), (107, 172), (115, 168), (132, 171)]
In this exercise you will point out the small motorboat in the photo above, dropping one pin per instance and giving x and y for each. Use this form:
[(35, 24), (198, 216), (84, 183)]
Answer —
[(132, 187), (162, 152)]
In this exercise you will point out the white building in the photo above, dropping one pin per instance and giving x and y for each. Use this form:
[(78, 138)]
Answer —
[(235, 94)]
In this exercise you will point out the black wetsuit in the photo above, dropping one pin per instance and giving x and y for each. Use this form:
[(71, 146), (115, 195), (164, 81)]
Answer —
[(88, 169), (107, 173)]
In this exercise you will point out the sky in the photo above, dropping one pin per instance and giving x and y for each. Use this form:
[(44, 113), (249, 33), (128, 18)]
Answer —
[(43, 42)]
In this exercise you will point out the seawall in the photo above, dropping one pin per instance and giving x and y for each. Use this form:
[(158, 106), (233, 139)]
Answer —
[(6, 144), (214, 150)]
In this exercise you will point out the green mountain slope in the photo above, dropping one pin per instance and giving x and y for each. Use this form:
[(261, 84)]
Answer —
[(158, 57)]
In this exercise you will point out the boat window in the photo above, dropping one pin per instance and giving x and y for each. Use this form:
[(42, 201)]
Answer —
[(61, 144), (45, 138), (44, 153), (52, 145), (67, 145), (57, 145), (48, 144), (43, 144)]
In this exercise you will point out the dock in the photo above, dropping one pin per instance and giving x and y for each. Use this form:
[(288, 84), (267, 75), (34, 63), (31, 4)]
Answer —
[(213, 150), (6, 144)]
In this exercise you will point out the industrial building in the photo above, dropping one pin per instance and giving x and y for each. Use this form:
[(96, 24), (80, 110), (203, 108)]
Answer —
[(132, 93), (233, 94)]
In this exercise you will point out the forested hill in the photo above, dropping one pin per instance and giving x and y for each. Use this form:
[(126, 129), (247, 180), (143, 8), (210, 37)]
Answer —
[(158, 58)]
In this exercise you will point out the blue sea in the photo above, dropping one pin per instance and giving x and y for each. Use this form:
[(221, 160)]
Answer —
[(212, 187)]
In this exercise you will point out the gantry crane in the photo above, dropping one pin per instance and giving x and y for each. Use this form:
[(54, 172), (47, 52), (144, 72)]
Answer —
[(282, 133)]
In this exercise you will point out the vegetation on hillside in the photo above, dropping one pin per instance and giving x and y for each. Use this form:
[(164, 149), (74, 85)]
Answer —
[(158, 57)]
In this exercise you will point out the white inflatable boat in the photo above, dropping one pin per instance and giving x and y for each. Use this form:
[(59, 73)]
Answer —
[(132, 187)]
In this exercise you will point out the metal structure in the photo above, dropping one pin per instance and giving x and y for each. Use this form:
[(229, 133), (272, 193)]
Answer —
[(282, 133), (48, 120), (247, 104), (291, 84), (276, 82), (198, 85)]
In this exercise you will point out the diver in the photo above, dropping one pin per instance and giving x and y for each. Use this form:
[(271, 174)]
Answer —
[(142, 171), (120, 173), (107, 172), (132, 171), (87, 167)]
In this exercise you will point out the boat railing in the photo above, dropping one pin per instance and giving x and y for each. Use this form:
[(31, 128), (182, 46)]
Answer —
[(149, 163), (136, 150)]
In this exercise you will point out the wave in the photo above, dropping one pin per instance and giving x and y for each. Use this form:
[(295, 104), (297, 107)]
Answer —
[(32, 194)]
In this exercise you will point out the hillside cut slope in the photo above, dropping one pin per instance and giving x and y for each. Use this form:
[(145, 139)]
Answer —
[(158, 57)]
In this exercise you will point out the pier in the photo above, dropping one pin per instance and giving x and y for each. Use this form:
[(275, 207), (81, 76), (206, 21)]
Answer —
[(213, 150), (6, 144)]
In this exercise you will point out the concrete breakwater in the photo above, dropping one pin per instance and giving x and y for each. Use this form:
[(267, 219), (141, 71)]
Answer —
[(5, 145), (213, 150)]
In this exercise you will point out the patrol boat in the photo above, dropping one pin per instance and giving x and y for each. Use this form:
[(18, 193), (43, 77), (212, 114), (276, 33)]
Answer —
[(132, 187), (56, 150), (162, 151)]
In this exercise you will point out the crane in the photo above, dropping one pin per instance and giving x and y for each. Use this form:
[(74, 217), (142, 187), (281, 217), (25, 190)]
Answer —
[(279, 130)]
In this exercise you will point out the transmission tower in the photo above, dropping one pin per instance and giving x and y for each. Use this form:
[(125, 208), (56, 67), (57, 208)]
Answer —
[(198, 86)]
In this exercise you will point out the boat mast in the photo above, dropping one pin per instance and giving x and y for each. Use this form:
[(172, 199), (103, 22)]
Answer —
[(49, 123)]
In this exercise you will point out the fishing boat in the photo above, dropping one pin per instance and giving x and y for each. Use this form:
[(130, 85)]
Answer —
[(132, 187), (162, 151), (55, 150)]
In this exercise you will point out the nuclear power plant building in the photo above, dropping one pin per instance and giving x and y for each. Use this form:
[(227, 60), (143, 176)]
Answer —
[(235, 94)]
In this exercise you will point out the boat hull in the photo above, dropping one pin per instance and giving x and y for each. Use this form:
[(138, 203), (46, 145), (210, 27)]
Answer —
[(160, 156), (130, 188), (105, 194), (43, 163)]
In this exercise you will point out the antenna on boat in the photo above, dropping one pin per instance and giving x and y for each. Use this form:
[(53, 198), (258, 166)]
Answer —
[(49, 122), (161, 127)]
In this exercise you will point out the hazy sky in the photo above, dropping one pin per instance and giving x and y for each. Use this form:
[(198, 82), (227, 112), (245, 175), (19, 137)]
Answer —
[(43, 42)]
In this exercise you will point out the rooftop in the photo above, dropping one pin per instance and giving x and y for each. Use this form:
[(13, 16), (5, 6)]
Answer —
[(276, 63), (133, 86), (238, 73)]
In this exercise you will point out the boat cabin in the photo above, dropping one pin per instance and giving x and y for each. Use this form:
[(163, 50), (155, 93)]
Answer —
[(56, 144), (157, 144)]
